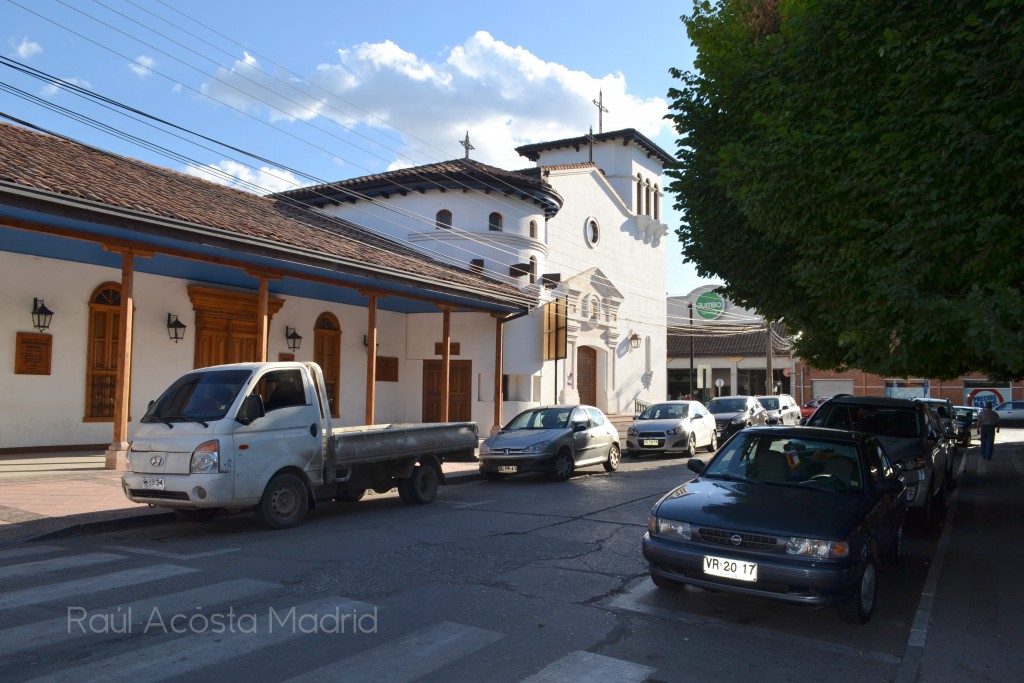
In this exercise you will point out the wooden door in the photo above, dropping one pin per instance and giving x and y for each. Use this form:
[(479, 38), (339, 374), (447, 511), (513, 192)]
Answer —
[(586, 375), (459, 390), (327, 354), (222, 340)]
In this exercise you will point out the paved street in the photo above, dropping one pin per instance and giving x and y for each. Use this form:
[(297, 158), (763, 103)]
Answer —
[(523, 580)]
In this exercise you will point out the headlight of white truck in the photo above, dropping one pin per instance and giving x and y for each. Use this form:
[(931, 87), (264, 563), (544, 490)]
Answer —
[(205, 458)]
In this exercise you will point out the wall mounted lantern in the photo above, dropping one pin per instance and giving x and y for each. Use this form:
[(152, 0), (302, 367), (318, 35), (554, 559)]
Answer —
[(175, 328), (41, 315), (634, 341), (293, 337)]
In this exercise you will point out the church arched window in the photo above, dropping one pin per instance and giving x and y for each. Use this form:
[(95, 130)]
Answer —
[(494, 222), (443, 220)]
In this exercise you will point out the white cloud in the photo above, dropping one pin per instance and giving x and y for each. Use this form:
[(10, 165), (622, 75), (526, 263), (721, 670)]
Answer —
[(142, 66), (265, 180), (503, 95), (52, 89), (26, 49)]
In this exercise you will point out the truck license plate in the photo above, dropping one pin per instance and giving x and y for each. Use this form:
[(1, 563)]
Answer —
[(650, 442), (153, 483), (730, 569), (507, 469)]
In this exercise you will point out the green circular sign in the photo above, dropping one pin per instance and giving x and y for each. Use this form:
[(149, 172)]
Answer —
[(710, 305)]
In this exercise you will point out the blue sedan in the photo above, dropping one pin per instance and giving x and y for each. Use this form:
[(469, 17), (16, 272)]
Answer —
[(795, 514)]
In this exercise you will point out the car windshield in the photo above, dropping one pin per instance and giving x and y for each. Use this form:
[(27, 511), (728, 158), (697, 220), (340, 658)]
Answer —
[(541, 418), (881, 420), (198, 397), (769, 403), (665, 411), (965, 412), (727, 405), (789, 461)]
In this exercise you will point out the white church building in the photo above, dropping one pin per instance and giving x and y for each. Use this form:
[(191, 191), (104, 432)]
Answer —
[(451, 291)]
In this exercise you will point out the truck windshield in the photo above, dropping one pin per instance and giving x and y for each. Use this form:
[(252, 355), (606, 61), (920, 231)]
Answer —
[(198, 397)]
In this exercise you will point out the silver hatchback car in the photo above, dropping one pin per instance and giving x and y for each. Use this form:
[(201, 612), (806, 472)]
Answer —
[(554, 439)]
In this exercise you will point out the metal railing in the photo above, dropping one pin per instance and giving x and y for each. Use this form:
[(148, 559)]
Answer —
[(640, 406)]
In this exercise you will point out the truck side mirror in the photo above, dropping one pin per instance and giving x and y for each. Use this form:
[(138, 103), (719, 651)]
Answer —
[(252, 409)]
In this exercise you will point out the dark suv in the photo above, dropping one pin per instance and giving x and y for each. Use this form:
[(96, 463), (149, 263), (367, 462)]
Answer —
[(913, 436)]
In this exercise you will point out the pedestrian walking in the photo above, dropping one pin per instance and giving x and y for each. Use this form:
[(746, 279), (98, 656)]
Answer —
[(988, 425)]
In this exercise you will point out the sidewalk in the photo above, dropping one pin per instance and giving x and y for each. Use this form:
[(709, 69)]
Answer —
[(46, 493)]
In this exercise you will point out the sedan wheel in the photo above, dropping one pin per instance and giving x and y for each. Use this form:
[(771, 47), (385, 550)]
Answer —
[(861, 606), (563, 466), (612, 463), (691, 447), (713, 446)]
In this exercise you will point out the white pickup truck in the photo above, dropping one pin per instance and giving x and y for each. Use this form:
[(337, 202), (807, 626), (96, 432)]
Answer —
[(259, 436)]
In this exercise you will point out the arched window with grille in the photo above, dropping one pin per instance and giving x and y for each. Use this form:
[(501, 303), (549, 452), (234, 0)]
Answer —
[(647, 197), (639, 195), (657, 203), (494, 222), (533, 229), (104, 344), (533, 270), (443, 220)]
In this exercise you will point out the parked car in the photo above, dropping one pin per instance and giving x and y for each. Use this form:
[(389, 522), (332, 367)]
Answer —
[(943, 407), (782, 409), (807, 409), (967, 416), (794, 514), (554, 439), (672, 428), (913, 437), (733, 413), (1011, 413)]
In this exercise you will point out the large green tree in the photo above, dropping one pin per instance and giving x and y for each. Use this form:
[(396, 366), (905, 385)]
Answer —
[(855, 167)]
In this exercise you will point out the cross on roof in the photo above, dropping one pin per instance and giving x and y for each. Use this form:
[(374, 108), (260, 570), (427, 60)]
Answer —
[(465, 143), (601, 109)]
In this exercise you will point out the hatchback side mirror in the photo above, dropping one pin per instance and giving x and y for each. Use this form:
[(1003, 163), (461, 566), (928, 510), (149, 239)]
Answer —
[(695, 465)]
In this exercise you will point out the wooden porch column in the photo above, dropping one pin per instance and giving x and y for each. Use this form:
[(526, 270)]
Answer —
[(371, 356), (117, 452), (446, 362), (499, 328), (262, 319)]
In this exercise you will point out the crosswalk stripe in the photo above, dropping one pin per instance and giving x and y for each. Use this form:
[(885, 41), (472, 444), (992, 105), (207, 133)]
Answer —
[(56, 564), (128, 618), (27, 550), (172, 658), (586, 666), (407, 658), (92, 584)]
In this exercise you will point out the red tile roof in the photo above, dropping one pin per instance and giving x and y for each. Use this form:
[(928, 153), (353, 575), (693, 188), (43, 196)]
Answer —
[(63, 167)]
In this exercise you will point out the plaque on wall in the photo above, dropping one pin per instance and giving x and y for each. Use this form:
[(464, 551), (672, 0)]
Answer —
[(453, 348), (32, 353), (387, 368), (285, 356)]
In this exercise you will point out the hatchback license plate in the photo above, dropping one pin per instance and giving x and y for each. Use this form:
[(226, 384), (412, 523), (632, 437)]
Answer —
[(153, 483), (730, 569), (650, 442), (507, 469)]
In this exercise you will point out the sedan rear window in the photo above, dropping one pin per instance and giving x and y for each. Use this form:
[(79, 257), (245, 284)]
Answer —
[(883, 421)]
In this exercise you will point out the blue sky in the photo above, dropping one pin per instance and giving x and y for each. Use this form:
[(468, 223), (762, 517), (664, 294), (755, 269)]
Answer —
[(331, 90)]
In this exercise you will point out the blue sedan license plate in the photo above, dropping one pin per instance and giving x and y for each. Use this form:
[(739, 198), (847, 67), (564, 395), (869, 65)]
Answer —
[(730, 569)]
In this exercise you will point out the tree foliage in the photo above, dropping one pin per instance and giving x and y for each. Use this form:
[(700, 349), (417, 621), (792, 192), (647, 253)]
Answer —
[(855, 168)]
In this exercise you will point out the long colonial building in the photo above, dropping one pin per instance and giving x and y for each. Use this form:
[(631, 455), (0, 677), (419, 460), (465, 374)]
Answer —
[(451, 291)]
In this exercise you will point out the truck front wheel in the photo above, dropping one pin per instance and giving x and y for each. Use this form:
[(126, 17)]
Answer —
[(420, 487), (284, 503)]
